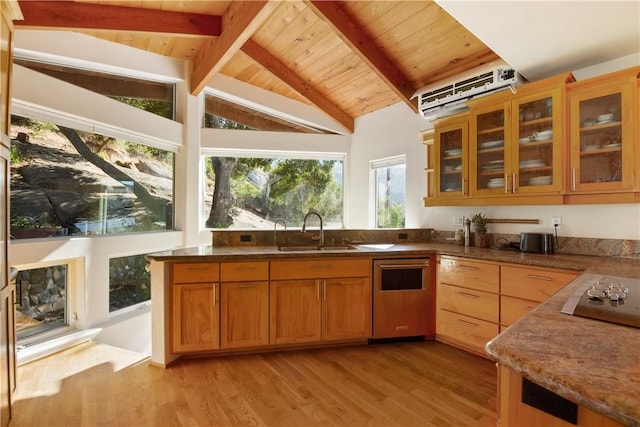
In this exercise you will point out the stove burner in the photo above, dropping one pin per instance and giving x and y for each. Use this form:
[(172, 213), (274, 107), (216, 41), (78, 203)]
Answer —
[(603, 290), (610, 299)]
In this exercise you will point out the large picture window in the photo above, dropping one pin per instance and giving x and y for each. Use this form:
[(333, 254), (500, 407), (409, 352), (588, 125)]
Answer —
[(253, 192), (65, 181)]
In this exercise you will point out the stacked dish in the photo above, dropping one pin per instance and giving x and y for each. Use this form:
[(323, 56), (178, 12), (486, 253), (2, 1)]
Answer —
[(605, 118), (492, 144), (590, 147), (494, 165), (540, 180), (526, 164), (453, 152), (496, 183)]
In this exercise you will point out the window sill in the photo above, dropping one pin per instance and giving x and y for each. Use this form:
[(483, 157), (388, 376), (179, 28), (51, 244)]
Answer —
[(35, 350)]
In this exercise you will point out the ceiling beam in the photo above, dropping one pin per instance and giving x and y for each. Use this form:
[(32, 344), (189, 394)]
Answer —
[(239, 22), (302, 86), (69, 15), (354, 35)]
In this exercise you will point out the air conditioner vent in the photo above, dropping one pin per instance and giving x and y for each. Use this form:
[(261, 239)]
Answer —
[(449, 97)]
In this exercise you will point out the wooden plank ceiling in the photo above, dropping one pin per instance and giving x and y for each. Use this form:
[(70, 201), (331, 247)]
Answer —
[(347, 58)]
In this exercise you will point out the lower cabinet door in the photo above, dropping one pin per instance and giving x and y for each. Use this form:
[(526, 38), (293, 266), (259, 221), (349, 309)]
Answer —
[(294, 311), (511, 309), (195, 317), (244, 319), (467, 332), (346, 309)]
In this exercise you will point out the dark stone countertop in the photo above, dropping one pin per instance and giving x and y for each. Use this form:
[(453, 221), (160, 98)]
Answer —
[(593, 363)]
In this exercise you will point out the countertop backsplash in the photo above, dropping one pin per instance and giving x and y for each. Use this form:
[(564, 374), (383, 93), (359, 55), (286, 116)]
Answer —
[(623, 248)]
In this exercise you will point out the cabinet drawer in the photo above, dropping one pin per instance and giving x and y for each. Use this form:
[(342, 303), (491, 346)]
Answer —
[(532, 283), (478, 304), (244, 271), (196, 272), (466, 331), (469, 274), (320, 269), (511, 309)]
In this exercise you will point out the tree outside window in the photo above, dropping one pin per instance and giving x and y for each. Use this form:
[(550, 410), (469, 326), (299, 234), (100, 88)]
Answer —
[(390, 191)]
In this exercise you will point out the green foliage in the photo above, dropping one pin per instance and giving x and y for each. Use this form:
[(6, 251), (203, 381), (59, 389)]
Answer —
[(479, 221), (161, 108), (392, 217), (37, 127), (14, 155), (19, 221)]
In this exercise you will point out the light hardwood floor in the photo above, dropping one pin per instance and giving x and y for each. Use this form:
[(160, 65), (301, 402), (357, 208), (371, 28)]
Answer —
[(400, 384)]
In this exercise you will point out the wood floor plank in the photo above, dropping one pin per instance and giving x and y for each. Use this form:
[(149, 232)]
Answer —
[(425, 383)]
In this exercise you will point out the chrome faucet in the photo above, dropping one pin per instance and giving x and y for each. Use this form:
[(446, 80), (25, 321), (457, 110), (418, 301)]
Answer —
[(304, 225), (275, 226)]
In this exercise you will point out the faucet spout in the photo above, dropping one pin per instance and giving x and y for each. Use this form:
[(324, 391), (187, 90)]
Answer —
[(304, 225), (275, 227)]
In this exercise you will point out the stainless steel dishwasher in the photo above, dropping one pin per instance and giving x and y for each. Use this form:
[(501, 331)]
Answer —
[(403, 298)]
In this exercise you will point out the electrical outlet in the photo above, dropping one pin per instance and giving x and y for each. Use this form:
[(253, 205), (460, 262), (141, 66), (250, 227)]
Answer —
[(556, 222), (458, 221)]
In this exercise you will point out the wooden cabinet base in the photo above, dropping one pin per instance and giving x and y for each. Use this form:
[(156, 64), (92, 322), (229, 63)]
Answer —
[(512, 412)]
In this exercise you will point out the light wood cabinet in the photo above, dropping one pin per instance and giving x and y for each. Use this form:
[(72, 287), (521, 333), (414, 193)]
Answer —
[(512, 412), (467, 302), (476, 300), (603, 127), (451, 156), (516, 142), (244, 304), (195, 307), (506, 145), (320, 300), (523, 288)]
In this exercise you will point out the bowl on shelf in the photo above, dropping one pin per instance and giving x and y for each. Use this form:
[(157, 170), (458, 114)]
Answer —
[(543, 134), (526, 139), (590, 147), (589, 122)]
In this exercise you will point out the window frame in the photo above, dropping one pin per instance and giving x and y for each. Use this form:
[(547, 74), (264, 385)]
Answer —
[(374, 166)]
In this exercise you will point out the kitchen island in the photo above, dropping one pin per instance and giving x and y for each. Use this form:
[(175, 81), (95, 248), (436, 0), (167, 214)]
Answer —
[(591, 363)]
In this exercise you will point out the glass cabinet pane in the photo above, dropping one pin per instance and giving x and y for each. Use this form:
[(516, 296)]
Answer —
[(535, 143), (490, 152), (600, 140), (451, 160)]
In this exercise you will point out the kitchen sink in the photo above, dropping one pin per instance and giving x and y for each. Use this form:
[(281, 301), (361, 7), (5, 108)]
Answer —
[(306, 248)]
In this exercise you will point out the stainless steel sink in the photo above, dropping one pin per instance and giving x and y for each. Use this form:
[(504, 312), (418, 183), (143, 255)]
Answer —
[(298, 248), (307, 248)]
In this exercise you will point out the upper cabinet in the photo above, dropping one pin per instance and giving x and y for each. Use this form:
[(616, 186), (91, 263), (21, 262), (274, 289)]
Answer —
[(603, 132), (553, 141), (451, 154)]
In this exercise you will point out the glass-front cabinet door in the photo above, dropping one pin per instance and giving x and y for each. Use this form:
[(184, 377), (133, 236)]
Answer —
[(604, 136), (536, 145), (488, 154), (451, 144)]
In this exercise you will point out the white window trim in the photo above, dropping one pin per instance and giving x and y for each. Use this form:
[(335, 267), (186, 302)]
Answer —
[(374, 165)]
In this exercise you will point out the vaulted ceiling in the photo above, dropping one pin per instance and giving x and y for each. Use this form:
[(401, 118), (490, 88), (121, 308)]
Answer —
[(346, 58)]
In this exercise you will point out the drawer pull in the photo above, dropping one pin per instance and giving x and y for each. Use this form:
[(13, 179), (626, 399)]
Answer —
[(402, 328), (464, 322), (467, 267), (533, 276), (245, 286), (204, 268), (245, 268), (528, 307), (468, 295)]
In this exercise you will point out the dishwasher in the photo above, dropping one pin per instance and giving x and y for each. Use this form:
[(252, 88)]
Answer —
[(403, 298)]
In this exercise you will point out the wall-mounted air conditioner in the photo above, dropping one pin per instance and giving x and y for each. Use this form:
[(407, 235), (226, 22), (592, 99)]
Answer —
[(449, 96)]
